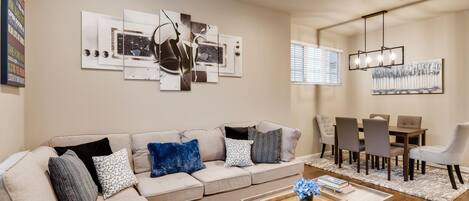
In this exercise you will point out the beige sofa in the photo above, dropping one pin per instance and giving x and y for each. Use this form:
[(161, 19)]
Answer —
[(28, 180)]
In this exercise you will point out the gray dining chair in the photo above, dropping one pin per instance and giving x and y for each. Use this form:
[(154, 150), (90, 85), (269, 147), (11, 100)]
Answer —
[(404, 121), (450, 155), (375, 159), (327, 132), (348, 139), (377, 142)]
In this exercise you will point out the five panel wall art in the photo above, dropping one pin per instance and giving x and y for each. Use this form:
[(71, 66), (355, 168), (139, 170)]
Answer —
[(167, 46)]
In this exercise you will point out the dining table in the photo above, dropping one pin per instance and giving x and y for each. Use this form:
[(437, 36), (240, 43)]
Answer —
[(405, 133)]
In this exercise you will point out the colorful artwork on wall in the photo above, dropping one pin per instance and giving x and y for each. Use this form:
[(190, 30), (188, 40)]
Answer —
[(423, 77), (13, 43), (175, 51), (205, 56), (168, 47), (232, 56)]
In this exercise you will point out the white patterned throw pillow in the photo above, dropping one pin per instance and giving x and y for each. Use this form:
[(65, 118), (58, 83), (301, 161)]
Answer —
[(238, 153), (114, 172)]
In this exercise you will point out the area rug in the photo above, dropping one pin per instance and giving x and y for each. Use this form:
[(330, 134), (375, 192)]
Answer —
[(434, 185)]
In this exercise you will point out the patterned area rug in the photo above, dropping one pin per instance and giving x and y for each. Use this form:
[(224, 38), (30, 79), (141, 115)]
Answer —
[(434, 185)]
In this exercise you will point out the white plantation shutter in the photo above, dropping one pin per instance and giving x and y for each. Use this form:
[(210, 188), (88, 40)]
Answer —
[(313, 65)]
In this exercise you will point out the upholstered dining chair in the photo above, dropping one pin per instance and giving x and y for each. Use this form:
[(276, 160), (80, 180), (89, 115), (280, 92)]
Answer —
[(377, 142), (326, 130), (347, 135), (386, 117), (408, 122), (450, 155)]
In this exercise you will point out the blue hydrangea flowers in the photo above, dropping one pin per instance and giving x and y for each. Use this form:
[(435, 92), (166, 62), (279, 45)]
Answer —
[(305, 188)]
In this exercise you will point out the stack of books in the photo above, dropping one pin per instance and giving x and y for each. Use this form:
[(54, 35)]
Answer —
[(335, 184)]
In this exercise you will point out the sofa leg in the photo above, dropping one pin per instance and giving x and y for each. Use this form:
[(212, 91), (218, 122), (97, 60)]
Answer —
[(451, 176), (458, 173), (323, 149)]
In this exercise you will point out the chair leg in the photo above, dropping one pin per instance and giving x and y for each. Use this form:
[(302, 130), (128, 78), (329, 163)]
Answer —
[(332, 149), (367, 157), (451, 176), (397, 160), (377, 162), (423, 166), (458, 173), (340, 158), (418, 162), (349, 157), (389, 168), (411, 168), (382, 164), (323, 149), (358, 162), (372, 162)]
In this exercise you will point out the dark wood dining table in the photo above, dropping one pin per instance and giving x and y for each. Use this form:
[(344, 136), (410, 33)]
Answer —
[(405, 133)]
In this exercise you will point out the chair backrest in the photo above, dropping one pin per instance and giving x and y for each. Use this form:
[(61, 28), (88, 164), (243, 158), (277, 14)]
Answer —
[(325, 125), (409, 121), (347, 133), (376, 137), (386, 117), (459, 141)]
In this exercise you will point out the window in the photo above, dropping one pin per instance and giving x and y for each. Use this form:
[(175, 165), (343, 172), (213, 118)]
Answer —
[(313, 65)]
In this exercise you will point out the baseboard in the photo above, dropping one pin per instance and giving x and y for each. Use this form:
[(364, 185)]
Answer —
[(305, 158)]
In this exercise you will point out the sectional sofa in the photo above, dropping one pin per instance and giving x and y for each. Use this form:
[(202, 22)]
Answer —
[(27, 178)]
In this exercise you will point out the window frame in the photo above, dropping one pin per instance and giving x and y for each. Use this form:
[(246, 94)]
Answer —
[(339, 63)]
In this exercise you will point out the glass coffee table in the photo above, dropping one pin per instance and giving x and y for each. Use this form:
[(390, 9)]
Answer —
[(359, 194)]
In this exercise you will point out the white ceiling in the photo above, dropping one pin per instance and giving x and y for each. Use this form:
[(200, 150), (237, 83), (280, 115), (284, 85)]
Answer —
[(321, 13)]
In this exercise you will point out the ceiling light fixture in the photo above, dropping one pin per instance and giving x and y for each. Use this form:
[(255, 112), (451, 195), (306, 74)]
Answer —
[(385, 57)]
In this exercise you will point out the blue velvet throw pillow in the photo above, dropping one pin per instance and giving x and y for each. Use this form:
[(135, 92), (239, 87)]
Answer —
[(168, 158)]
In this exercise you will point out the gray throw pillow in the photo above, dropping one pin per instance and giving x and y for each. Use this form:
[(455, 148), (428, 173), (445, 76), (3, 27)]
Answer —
[(70, 178), (267, 147)]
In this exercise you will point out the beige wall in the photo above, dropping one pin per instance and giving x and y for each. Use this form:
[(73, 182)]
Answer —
[(63, 99), (442, 37), (304, 99), (11, 120)]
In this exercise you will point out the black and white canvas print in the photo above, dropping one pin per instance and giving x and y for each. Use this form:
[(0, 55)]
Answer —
[(231, 54), (92, 52), (425, 77), (175, 51), (137, 45), (205, 56)]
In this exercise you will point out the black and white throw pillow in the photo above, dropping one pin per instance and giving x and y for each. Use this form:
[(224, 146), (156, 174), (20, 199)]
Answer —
[(238, 153), (114, 172)]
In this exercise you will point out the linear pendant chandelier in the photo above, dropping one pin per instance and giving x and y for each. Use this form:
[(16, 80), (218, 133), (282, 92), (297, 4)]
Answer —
[(385, 57)]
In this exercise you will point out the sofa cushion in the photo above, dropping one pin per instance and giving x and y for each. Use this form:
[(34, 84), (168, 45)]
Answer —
[(86, 151), (172, 187), (70, 178), (211, 143), (117, 141), (129, 194), (262, 173), (114, 172), (141, 156), (237, 124), (290, 137), (218, 178), (33, 167), (267, 147), (169, 158)]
